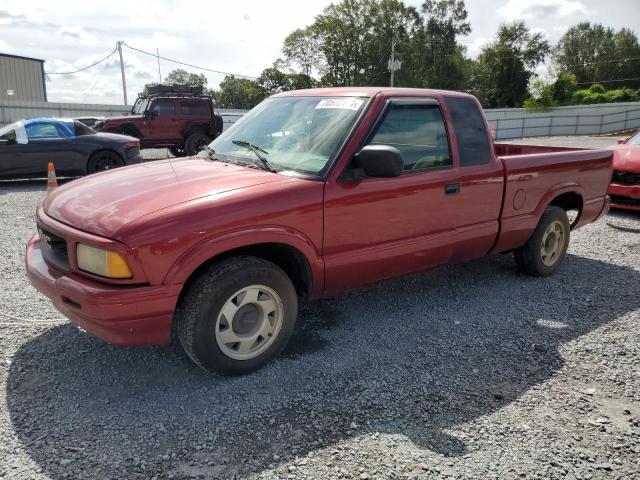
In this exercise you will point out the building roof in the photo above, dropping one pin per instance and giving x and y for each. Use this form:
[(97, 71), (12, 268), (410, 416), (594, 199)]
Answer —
[(21, 57)]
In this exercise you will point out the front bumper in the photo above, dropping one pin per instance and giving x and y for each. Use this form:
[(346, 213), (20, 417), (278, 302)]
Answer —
[(122, 315), (626, 197)]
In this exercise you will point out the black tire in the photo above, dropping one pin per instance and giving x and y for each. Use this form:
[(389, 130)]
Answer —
[(196, 142), (530, 258), (104, 160), (178, 151), (218, 124), (199, 310)]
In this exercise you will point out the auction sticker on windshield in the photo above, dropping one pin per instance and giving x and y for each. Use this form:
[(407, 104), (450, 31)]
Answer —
[(343, 103)]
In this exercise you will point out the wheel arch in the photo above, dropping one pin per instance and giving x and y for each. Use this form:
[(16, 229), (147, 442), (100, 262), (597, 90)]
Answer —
[(192, 128), (568, 196), (133, 129), (291, 251)]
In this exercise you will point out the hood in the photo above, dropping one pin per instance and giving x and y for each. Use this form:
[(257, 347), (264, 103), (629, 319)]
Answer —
[(626, 158), (123, 118), (103, 203)]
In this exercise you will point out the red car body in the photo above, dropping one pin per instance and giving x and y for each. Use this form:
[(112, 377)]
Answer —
[(625, 181), (171, 217)]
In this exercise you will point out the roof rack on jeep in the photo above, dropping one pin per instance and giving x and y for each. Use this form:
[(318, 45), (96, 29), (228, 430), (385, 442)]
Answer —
[(177, 90)]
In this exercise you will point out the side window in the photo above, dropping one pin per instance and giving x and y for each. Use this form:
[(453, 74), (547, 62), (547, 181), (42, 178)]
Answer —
[(42, 130), (473, 143), (10, 136), (164, 108), (418, 131), (193, 107)]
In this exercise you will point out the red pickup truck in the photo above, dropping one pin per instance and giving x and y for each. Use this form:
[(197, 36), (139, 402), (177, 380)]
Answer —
[(311, 194)]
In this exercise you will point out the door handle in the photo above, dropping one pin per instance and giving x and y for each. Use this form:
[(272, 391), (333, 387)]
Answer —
[(451, 188)]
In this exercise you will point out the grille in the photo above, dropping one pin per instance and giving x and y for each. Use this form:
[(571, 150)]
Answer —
[(625, 200), (626, 178), (54, 249)]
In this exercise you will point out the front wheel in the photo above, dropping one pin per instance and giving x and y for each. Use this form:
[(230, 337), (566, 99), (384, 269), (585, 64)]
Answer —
[(177, 151), (544, 252), (104, 160), (196, 142), (237, 316)]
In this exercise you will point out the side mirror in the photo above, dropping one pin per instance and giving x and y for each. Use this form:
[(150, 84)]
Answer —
[(622, 140), (379, 161)]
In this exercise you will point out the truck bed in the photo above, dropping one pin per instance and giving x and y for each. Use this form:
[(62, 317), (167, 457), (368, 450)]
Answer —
[(536, 174)]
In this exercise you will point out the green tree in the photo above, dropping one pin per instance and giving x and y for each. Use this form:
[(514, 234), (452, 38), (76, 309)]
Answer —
[(354, 39), (301, 48), (504, 68), (442, 57), (541, 97), (563, 88), (237, 92), (594, 53)]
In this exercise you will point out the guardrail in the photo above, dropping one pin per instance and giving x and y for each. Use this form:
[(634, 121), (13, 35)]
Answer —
[(554, 124)]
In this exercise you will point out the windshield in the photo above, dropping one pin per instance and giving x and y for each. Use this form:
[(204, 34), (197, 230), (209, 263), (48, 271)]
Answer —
[(140, 106), (14, 132), (300, 134), (634, 140)]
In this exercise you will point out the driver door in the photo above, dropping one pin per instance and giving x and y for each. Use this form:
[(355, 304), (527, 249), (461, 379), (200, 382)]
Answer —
[(163, 121), (378, 228)]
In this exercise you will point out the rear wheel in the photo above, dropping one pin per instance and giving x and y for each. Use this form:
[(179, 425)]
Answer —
[(544, 252), (104, 160), (196, 142), (238, 315)]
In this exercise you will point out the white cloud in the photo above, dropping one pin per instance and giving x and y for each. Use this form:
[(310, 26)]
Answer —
[(77, 35), (157, 40), (475, 46), (539, 9), (5, 47)]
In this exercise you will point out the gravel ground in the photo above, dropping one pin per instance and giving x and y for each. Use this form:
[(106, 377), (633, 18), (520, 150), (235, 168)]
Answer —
[(470, 371)]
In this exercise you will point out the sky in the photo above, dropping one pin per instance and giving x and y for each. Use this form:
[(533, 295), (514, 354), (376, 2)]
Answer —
[(241, 36)]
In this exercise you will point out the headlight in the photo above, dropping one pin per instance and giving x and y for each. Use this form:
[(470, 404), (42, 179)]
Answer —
[(102, 262)]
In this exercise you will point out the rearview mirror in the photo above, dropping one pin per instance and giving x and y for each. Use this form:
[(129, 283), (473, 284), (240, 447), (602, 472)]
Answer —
[(379, 161)]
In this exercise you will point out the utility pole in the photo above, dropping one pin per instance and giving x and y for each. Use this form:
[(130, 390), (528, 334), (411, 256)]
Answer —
[(124, 82), (393, 64), (159, 73)]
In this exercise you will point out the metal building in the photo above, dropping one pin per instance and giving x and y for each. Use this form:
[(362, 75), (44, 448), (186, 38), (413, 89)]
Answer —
[(22, 78)]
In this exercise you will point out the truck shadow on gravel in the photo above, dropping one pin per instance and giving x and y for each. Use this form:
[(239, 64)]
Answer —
[(415, 357)]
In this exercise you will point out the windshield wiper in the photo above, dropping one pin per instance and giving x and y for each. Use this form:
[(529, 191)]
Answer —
[(211, 153), (257, 151)]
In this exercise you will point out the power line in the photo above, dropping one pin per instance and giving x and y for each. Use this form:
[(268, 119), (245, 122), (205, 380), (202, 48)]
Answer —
[(188, 64), (85, 68), (107, 65), (609, 81)]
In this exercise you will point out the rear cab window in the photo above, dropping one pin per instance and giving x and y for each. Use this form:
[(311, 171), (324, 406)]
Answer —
[(417, 129), (471, 134), (194, 108)]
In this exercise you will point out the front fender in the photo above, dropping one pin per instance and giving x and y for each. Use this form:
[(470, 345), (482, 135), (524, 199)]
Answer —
[(204, 251)]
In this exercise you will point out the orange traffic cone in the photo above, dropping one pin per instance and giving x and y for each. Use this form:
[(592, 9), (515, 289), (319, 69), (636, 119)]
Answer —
[(52, 181)]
